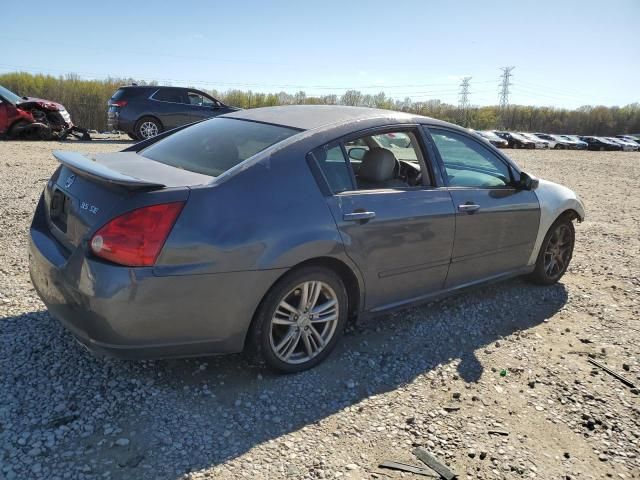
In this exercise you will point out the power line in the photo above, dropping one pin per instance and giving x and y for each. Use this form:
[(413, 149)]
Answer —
[(503, 101), (95, 75)]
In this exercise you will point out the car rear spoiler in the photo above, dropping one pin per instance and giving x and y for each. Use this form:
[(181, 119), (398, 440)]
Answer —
[(89, 167)]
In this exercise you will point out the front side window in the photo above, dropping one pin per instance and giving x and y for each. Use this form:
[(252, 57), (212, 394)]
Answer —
[(468, 163), (200, 100), (386, 160), (214, 146)]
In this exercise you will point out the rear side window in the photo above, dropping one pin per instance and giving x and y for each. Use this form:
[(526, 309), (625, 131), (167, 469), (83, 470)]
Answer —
[(170, 95), (214, 146), (334, 168)]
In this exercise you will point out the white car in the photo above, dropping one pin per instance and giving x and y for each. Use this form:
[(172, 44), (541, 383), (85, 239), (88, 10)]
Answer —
[(556, 141), (540, 142), (629, 138), (627, 145)]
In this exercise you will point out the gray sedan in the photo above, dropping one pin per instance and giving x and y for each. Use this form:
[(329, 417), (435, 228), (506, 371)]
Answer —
[(267, 230)]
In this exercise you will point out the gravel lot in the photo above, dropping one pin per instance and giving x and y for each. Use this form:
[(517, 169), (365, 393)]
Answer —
[(429, 376)]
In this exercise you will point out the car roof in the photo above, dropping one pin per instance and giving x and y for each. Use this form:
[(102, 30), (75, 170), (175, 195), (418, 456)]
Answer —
[(155, 87), (310, 117)]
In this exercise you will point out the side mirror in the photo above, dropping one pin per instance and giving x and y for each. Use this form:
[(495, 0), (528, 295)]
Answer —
[(527, 182), (357, 153)]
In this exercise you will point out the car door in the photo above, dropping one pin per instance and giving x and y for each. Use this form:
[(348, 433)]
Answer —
[(171, 106), (496, 222), (400, 238), (202, 106)]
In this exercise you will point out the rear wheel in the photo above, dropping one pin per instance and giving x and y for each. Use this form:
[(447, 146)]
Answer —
[(300, 320), (148, 127), (132, 136), (555, 252)]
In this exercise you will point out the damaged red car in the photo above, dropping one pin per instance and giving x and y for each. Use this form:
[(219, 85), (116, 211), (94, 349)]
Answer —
[(35, 118)]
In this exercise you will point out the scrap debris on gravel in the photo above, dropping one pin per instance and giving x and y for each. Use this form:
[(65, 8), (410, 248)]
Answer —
[(493, 383)]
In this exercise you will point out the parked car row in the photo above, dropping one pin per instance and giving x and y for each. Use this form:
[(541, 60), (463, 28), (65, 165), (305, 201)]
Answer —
[(503, 139)]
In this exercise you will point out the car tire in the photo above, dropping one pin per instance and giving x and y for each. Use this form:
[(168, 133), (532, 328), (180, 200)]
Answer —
[(13, 130), (133, 136), (273, 323), (148, 127), (555, 252)]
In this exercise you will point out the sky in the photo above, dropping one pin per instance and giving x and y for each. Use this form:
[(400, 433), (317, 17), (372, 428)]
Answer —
[(565, 53)]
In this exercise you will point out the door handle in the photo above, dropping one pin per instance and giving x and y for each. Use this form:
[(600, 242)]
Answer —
[(358, 216), (468, 207)]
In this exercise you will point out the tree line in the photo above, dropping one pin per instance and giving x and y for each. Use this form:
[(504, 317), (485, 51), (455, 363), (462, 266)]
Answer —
[(86, 100)]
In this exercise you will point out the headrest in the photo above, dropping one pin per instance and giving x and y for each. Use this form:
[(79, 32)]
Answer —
[(378, 165)]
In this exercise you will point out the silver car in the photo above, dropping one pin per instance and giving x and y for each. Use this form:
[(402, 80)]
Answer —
[(267, 230)]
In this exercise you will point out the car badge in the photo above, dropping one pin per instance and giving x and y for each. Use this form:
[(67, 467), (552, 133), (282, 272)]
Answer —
[(70, 180)]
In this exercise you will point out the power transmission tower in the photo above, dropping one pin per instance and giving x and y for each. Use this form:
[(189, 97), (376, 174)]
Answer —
[(463, 102), (503, 102)]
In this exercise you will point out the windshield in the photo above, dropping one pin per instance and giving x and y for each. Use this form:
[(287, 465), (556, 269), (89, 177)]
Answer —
[(519, 136), (9, 96), (214, 146)]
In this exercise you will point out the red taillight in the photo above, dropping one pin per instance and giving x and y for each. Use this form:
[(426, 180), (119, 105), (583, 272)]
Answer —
[(119, 103), (135, 238)]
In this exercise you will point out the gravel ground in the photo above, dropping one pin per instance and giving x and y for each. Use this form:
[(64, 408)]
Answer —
[(428, 376)]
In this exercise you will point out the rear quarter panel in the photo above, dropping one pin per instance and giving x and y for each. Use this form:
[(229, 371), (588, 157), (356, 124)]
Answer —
[(269, 215)]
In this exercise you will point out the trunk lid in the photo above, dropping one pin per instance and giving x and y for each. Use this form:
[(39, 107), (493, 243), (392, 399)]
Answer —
[(88, 190)]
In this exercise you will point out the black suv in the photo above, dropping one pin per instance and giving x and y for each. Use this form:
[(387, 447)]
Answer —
[(144, 112)]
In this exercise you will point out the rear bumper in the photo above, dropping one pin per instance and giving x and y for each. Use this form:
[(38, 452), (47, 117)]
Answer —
[(132, 313), (118, 120)]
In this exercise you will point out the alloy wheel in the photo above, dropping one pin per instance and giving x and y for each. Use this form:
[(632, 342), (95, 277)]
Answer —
[(304, 322), (558, 251), (148, 130)]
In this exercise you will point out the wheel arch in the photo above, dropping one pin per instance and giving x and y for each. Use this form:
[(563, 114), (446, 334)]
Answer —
[(347, 273), (352, 282), (572, 214), (555, 201)]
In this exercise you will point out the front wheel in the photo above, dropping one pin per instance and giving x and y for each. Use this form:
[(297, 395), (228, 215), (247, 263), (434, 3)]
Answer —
[(555, 252), (300, 320)]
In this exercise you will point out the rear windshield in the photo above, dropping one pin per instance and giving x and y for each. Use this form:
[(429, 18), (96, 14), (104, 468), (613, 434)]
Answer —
[(119, 94), (214, 146)]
